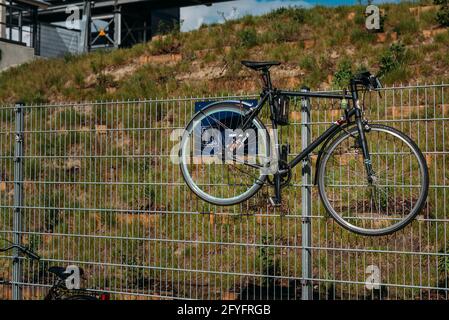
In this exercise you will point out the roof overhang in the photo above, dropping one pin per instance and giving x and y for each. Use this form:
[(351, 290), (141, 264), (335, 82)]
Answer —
[(158, 4), (35, 3)]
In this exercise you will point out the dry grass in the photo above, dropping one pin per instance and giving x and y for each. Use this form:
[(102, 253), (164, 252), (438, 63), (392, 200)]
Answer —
[(206, 61)]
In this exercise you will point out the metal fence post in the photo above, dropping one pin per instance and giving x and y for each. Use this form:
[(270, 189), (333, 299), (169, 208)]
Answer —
[(18, 202), (307, 293)]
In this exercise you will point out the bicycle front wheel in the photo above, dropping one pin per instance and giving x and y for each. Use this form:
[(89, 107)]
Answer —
[(222, 156), (393, 198)]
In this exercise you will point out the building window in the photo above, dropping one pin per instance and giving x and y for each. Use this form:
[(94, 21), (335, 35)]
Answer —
[(17, 22)]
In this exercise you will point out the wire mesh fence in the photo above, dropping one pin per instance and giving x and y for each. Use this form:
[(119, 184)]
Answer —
[(100, 192)]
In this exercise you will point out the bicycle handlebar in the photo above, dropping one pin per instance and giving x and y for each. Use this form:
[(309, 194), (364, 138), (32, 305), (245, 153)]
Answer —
[(30, 253), (22, 249), (369, 81)]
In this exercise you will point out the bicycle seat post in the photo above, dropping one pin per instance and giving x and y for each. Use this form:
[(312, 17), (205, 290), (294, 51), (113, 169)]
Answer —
[(266, 79)]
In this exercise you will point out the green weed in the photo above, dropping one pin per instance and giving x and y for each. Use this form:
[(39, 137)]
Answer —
[(248, 37)]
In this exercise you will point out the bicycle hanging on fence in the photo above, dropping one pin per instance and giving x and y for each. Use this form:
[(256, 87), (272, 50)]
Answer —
[(372, 179)]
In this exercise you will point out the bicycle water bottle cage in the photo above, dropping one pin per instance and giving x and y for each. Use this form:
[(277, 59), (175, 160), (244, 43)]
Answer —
[(281, 106)]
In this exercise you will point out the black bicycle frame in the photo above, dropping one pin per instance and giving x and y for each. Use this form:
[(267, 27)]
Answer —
[(269, 93), (268, 96)]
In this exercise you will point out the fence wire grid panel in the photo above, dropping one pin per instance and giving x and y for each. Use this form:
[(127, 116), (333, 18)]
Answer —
[(100, 192)]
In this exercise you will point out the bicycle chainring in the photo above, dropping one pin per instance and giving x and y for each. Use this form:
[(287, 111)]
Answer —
[(285, 178)]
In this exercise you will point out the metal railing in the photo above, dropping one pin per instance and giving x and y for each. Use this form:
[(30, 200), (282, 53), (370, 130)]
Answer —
[(92, 184)]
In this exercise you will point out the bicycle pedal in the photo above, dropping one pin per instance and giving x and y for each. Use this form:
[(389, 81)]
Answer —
[(274, 202)]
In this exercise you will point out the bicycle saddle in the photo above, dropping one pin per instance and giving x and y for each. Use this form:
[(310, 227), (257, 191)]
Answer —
[(61, 273), (260, 65)]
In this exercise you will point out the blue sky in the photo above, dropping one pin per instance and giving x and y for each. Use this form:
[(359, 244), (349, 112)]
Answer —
[(195, 16)]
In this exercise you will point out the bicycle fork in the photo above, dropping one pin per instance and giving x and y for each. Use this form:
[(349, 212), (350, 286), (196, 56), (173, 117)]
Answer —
[(361, 127)]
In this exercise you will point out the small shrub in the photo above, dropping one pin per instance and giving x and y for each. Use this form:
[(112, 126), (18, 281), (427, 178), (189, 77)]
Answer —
[(165, 45), (285, 23), (362, 36), (308, 63), (442, 38), (36, 96), (408, 39), (267, 261), (360, 18), (276, 13), (407, 26), (103, 79), (285, 53), (248, 37), (248, 20), (400, 74), (118, 57), (337, 37), (314, 67), (392, 58), (79, 78), (97, 64), (317, 18), (343, 74), (283, 32), (233, 59), (313, 78), (443, 262), (32, 169), (298, 14), (52, 215), (443, 14), (69, 57)]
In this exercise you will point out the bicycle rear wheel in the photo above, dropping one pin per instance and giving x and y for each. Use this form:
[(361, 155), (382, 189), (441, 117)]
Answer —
[(399, 188), (220, 158)]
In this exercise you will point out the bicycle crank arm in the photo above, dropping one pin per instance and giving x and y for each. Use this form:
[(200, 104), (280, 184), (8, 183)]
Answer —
[(274, 202)]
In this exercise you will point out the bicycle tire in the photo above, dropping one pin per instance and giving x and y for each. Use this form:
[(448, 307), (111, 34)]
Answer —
[(187, 175), (418, 206)]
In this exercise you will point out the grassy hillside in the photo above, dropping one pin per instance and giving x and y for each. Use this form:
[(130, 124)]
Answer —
[(320, 47)]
